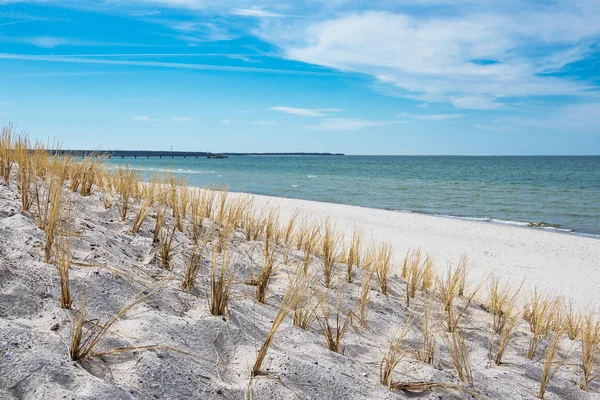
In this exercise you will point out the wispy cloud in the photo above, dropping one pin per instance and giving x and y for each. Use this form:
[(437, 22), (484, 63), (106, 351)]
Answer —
[(158, 64), (151, 119), (304, 112), (471, 57), (430, 117), (348, 124), (226, 122), (476, 103), (263, 123), (21, 21), (50, 42), (255, 12)]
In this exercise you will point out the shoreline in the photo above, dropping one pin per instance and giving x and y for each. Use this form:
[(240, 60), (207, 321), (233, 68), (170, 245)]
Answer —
[(550, 260), (568, 218)]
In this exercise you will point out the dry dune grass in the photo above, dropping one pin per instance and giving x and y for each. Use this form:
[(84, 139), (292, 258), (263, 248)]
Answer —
[(222, 223)]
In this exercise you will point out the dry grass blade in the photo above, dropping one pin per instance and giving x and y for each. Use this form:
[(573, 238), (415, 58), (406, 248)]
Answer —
[(160, 222), (291, 298), (541, 314), (393, 356), (449, 288), (127, 182), (573, 320), (62, 259), (305, 308), (220, 283), (329, 245), (53, 217), (309, 242), (550, 367), (191, 271), (354, 250), (383, 266), (83, 343), (6, 146), (335, 330), (459, 353), (590, 348), (364, 295), (25, 172), (418, 273), (166, 250), (428, 348), (287, 235), (140, 216)]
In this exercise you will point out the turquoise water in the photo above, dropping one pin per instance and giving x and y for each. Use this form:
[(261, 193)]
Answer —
[(560, 193)]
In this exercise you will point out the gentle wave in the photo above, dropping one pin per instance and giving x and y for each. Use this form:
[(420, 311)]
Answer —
[(535, 225)]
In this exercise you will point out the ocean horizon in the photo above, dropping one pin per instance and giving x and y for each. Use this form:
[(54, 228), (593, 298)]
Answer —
[(557, 193)]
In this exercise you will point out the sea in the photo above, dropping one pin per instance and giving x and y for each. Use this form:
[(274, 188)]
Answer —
[(559, 193)]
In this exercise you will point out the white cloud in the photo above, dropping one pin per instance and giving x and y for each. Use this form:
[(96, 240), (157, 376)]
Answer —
[(263, 123), (468, 58), (431, 117), (150, 119), (304, 112), (160, 64), (226, 122), (348, 124), (255, 12), (475, 103)]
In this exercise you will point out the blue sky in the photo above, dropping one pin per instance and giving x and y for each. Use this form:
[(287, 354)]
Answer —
[(386, 77)]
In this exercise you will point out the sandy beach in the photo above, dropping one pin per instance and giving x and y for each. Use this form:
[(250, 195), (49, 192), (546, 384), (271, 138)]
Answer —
[(170, 345), (563, 263)]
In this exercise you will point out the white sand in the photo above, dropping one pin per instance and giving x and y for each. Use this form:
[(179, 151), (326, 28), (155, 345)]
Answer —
[(563, 263), (220, 351)]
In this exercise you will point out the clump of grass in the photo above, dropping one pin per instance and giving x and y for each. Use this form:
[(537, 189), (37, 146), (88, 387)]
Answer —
[(166, 250), (6, 146), (428, 348), (191, 271), (87, 334), (220, 283), (25, 173), (393, 356), (196, 209), (590, 348), (127, 182), (449, 287), (159, 223), (541, 313), (354, 250), (83, 174), (291, 298), (51, 213), (573, 320), (223, 228), (503, 303), (329, 245), (140, 216), (174, 200), (459, 353), (418, 273), (364, 295), (334, 327), (287, 235), (62, 259), (550, 367), (305, 307), (269, 257), (311, 235), (383, 266)]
